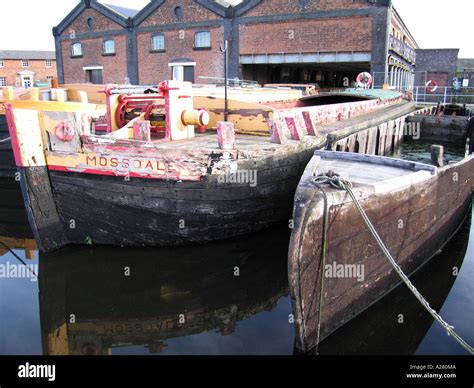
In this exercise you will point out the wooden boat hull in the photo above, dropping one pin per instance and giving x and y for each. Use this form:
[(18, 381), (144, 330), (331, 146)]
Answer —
[(109, 210), (414, 221), (7, 160), (129, 188), (371, 333)]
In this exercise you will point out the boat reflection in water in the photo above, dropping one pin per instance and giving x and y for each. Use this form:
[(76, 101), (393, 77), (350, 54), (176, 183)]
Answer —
[(15, 231), (398, 323), (95, 299)]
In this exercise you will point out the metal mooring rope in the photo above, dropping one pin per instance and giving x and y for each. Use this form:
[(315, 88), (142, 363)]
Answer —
[(337, 182)]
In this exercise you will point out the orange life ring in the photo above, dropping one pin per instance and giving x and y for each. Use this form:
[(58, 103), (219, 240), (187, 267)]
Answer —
[(364, 80), (64, 131), (431, 86)]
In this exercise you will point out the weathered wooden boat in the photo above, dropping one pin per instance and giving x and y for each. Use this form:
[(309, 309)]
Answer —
[(414, 207), (15, 231), (7, 160), (171, 292), (137, 174), (378, 331)]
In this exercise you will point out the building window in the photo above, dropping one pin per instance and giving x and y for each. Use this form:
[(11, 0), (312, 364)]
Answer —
[(90, 23), (3, 81), (49, 63), (25, 63), (76, 50), (49, 78), (158, 43), (178, 13), (108, 47), (2, 63), (202, 40)]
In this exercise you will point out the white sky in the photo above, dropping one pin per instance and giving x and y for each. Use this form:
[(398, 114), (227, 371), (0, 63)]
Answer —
[(433, 23)]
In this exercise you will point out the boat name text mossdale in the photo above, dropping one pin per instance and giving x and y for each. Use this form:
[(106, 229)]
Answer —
[(123, 163)]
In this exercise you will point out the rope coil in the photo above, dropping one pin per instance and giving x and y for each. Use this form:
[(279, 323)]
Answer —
[(337, 182)]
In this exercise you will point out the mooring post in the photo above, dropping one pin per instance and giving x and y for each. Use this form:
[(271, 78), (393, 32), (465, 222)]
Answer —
[(470, 136), (437, 155), (225, 49)]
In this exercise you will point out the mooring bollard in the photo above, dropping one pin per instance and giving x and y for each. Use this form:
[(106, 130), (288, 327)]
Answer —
[(437, 155), (141, 130), (226, 135)]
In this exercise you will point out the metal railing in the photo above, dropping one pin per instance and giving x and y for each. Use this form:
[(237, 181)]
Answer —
[(402, 49), (444, 94)]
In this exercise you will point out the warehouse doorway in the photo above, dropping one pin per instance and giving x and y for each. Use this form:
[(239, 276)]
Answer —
[(336, 75), (94, 75), (182, 70)]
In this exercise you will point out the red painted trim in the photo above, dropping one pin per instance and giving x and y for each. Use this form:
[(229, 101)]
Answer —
[(94, 171), (13, 135)]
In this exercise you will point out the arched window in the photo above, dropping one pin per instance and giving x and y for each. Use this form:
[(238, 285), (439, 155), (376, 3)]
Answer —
[(109, 47), (202, 39), (76, 50), (158, 42)]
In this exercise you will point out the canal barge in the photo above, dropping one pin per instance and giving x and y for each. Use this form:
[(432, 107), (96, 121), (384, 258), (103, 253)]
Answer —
[(336, 269), (147, 170)]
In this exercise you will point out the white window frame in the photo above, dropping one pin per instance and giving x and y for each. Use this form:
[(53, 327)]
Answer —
[(107, 45), (2, 63), (48, 63), (200, 42), (3, 81), (25, 63), (73, 53), (163, 46)]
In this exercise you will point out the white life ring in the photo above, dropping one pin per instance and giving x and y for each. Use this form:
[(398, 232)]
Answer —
[(431, 86), (364, 80)]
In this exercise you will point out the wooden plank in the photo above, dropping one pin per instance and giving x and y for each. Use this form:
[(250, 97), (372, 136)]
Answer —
[(53, 106), (247, 117)]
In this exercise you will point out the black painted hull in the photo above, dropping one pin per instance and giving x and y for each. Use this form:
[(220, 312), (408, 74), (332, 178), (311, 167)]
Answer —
[(7, 159), (74, 208)]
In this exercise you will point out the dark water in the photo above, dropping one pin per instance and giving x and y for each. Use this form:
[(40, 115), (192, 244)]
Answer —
[(229, 297)]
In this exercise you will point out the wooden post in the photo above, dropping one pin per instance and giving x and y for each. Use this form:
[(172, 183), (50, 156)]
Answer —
[(83, 98), (141, 130), (61, 95), (34, 94), (226, 135), (8, 93), (437, 154)]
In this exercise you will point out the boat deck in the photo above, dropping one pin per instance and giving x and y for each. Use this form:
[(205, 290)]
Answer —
[(370, 170), (205, 144)]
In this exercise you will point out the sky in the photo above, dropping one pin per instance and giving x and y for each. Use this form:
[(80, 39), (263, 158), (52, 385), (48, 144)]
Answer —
[(432, 22)]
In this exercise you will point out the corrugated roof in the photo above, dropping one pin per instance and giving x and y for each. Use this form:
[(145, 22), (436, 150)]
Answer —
[(20, 54), (122, 11)]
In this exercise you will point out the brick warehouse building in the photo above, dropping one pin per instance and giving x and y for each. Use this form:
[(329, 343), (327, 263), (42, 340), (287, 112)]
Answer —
[(26, 68), (270, 41)]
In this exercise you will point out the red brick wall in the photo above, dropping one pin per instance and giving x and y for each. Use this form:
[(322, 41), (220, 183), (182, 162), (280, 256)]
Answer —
[(101, 23), (115, 67), (12, 67), (153, 67), (272, 7), (192, 12), (344, 34)]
